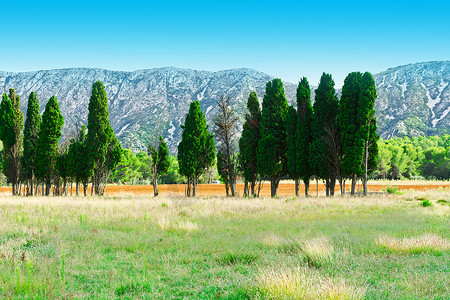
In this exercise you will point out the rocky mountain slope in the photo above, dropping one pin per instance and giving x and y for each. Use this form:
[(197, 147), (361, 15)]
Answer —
[(143, 104), (412, 100)]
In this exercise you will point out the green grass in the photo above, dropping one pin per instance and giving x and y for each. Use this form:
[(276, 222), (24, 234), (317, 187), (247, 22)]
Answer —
[(380, 247)]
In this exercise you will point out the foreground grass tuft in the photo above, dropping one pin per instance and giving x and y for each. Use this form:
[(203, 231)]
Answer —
[(318, 252), (302, 283), (426, 243)]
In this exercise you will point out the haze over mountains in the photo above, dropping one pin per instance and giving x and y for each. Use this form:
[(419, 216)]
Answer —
[(412, 99)]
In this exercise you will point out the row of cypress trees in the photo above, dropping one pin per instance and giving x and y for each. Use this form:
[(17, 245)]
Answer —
[(334, 139), (36, 157)]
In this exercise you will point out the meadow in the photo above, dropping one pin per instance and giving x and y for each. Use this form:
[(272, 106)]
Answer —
[(385, 246)]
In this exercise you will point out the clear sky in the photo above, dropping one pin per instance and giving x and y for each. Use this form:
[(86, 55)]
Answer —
[(287, 39)]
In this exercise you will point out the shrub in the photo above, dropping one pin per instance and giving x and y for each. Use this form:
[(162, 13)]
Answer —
[(392, 189), (425, 202)]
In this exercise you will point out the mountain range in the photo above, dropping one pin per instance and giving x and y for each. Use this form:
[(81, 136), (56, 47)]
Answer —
[(412, 100)]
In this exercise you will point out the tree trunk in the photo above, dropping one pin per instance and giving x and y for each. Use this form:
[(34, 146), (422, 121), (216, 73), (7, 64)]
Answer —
[(155, 186), (274, 186), (332, 186), (366, 158), (47, 187), (352, 192), (306, 182), (65, 187), (317, 186), (31, 186), (297, 182), (252, 187), (85, 188), (188, 188), (227, 189), (245, 188), (232, 186), (77, 186), (194, 186), (327, 187)]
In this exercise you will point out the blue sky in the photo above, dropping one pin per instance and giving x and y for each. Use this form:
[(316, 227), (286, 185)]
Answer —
[(287, 39)]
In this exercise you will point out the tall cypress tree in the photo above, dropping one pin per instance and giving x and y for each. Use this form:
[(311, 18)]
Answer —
[(248, 143), (369, 128), (196, 151), (291, 129), (358, 127), (101, 141), (79, 166), (304, 132), (12, 125), (271, 152), (47, 143), (325, 144), (30, 137), (350, 124)]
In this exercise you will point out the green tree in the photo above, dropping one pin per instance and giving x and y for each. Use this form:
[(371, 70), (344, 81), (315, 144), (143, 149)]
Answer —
[(248, 143), (79, 166), (325, 145), (304, 132), (11, 135), (291, 131), (223, 170), (102, 145), (196, 151), (368, 130), (160, 162), (225, 131), (351, 121), (271, 152), (47, 143), (30, 137)]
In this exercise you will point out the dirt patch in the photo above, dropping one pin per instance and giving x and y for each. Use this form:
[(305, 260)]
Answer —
[(284, 189)]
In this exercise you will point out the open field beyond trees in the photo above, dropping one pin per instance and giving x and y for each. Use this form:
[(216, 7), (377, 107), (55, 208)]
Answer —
[(135, 246), (286, 188)]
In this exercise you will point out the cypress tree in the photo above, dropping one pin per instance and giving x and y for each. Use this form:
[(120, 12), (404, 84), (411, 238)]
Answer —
[(78, 164), (47, 143), (30, 137), (11, 135), (102, 145), (304, 132), (248, 143), (350, 124), (369, 128), (291, 129), (325, 145), (358, 127), (196, 151), (271, 152), (160, 162)]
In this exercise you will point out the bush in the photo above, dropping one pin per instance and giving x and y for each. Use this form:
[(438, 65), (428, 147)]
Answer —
[(392, 189), (425, 202)]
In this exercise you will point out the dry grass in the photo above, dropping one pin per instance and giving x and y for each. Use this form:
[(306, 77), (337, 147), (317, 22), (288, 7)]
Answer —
[(424, 243), (302, 283), (318, 251)]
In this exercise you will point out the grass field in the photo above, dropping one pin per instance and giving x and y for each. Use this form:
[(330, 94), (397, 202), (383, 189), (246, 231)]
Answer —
[(134, 247)]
